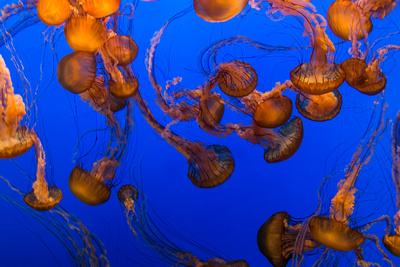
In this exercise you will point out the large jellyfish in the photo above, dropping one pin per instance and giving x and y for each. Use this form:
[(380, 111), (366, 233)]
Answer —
[(351, 20), (217, 11), (15, 139), (146, 229)]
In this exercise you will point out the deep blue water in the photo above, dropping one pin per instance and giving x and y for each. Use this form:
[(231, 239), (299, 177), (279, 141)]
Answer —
[(225, 219)]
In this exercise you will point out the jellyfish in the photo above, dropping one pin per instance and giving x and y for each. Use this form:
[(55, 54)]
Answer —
[(84, 33), (15, 139), (93, 187), (209, 166), (320, 75), (53, 12), (351, 20), (333, 231), (43, 197), (76, 72), (347, 21), (367, 78), (100, 8), (236, 78), (147, 231), (121, 49), (218, 11), (273, 112), (319, 107), (276, 239)]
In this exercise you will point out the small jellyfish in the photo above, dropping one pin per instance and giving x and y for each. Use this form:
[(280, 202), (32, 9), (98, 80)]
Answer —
[(218, 11), (236, 78), (100, 8), (273, 112), (52, 12), (346, 20), (122, 50), (289, 141), (84, 33), (127, 195), (276, 239), (124, 90), (15, 139), (319, 107), (209, 166), (76, 72), (211, 110), (94, 187), (43, 197), (362, 77)]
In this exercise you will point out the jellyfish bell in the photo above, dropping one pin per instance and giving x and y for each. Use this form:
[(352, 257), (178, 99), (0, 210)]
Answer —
[(273, 112), (236, 78), (345, 19), (212, 167), (291, 137), (218, 10), (319, 107), (127, 192), (212, 109), (317, 81), (122, 50), (100, 8), (76, 72), (52, 12), (124, 90), (84, 33), (14, 146), (55, 196), (276, 239), (116, 104), (334, 234), (93, 188), (362, 78), (392, 243)]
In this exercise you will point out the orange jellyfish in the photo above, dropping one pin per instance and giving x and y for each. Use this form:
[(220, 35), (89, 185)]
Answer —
[(217, 11), (84, 33), (52, 12), (273, 112), (209, 166), (100, 8), (122, 50), (93, 187), (236, 78), (288, 141), (348, 21), (391, 240), (319, 107), (76, 72), (43, 197), (276, 239), (15, 139), (320, 75), (333, 231)]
